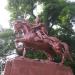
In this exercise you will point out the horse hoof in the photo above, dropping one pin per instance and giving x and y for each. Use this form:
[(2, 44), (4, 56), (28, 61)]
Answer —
[(61, 64)]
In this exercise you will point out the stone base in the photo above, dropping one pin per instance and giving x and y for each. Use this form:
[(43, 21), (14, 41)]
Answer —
[(25, 66)]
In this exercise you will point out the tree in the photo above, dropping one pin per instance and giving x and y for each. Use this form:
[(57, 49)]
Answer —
[(55, 11), (57, 15)]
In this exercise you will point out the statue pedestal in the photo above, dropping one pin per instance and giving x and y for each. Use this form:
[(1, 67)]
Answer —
[(26, 66)]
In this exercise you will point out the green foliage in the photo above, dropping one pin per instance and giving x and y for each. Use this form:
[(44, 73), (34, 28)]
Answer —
[(21, 7), (6, 33), (72, 9), (36, 54), (7, 42)]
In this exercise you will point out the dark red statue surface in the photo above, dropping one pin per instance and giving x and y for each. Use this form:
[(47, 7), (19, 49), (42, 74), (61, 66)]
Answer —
[(37, 37)]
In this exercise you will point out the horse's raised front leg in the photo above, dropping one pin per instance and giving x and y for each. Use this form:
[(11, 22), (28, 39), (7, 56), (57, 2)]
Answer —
[(24, 52)]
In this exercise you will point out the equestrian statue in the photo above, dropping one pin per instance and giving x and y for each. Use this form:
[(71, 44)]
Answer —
[(35, 36)]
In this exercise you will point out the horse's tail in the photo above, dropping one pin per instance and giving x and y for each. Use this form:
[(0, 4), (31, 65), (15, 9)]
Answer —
[(67, 54)]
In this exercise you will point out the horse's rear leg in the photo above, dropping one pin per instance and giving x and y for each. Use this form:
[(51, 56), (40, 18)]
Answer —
[(49, 56), (62, 59)]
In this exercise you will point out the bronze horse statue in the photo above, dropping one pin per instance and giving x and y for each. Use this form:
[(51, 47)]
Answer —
[(40, 40)]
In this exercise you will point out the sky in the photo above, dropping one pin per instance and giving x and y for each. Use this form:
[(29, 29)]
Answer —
[(72, 0), (5, 15)]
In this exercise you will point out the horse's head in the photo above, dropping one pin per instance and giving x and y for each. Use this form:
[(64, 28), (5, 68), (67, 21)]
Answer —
[(18, 25), (21, 27), (18, 28)]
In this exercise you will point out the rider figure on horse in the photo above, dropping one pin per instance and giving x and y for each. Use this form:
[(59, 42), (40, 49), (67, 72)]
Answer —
[(39, 28)]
